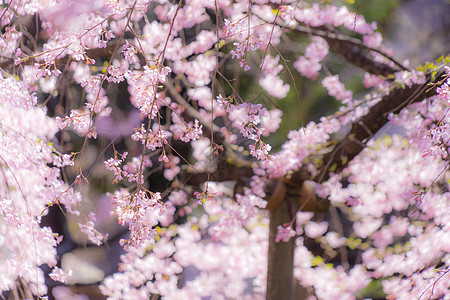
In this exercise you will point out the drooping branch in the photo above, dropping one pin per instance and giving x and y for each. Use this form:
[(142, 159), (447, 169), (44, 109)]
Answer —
[(216, 130), (95, 53)]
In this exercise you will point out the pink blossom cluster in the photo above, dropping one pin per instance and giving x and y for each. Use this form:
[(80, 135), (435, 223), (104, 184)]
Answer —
[(114, 165), (172, 168), (444, 89), (437, 134), (192, 132), (429, 129), (130, 170), (287, 13), (248, 40), (371, 80), (270, 80), (310, 64), (203, 197), (30, 184), (336, 89), (58, 274), (233, 268), (439, 137), (406, 78), (285, 233), (336, 16), (232, 217), (201, 149), (246, 117), (89, 229), (197, 70), (137, 209), (387, 189), (143, 88), (152, 139), (300, 144)]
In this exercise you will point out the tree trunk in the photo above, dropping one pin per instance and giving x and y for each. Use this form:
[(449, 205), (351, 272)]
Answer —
[(281, 255)]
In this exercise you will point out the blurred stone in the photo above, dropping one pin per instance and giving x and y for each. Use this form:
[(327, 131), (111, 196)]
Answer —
[(81, 262)]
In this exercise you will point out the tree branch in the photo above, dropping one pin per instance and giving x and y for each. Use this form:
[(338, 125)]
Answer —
[(351, 50), (363, 129), (229, 172)]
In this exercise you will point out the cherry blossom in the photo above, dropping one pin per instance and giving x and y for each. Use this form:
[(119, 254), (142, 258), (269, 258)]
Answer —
[(191, 168)]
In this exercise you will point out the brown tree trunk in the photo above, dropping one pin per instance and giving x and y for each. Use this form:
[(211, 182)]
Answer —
[(281, 255)]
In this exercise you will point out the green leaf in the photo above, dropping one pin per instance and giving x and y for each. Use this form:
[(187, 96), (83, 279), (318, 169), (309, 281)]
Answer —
[(374, 290)]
